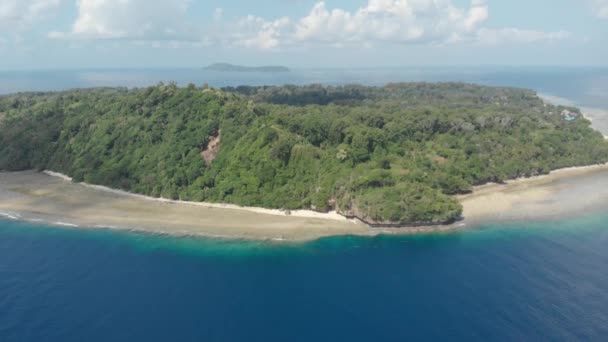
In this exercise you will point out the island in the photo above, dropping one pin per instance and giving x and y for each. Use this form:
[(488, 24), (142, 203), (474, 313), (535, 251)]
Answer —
[(225, 67), (401, 155)]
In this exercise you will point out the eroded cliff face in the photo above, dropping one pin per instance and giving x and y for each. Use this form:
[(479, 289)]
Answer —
[(213, 147)]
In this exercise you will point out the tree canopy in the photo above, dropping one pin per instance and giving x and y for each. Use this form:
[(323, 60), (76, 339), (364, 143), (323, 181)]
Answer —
[(388, 155)]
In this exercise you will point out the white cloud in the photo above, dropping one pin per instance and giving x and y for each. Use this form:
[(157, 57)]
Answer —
[(255, 32), (601, 8), (16, 14), (375, 22), (247, 32), (398, 21), (218, 14), (18, 17), (390, 22), (130, 20), (515, 35)]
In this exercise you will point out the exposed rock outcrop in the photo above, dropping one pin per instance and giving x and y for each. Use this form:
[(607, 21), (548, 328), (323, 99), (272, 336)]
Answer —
[(212, 148)]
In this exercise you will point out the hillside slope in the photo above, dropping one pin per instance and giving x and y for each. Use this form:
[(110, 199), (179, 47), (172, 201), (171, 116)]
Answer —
[(388, 155)]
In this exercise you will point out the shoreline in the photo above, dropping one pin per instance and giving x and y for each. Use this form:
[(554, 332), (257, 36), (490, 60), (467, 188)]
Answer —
[(332, 215), (539, 197), (593, 114), (52, 198)]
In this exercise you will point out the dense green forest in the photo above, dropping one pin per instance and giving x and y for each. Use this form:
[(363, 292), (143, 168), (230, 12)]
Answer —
[(388, 155)]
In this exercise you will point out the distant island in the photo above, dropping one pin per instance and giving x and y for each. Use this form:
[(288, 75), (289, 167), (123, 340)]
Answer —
[(389, 156), (240, 68)]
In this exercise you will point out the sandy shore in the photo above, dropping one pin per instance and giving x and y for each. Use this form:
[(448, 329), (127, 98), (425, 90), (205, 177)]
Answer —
[(35, 196), (293, 213), (597, 116), (562, 193), (54, 199)]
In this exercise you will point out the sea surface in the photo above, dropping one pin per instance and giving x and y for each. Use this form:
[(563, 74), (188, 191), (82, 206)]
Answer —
[(585, 86), (512, 282), (515, 281)]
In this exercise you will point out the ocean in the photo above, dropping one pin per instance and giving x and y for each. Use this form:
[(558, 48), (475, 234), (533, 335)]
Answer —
[(514, 281), (585, 86)]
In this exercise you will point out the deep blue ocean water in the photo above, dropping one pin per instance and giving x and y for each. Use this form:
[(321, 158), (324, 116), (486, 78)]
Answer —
[(516, 282), (508, 282)]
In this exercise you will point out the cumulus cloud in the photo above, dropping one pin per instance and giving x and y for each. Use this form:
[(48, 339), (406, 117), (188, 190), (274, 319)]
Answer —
[(129, 19), (395, 22), (18, 17), (601, 8), (374, 22), (248, 32), (399, 21), (256, 32), (19, 13), (515, 35)]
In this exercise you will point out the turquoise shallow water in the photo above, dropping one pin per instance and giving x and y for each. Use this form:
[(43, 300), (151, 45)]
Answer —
[(517, 281)]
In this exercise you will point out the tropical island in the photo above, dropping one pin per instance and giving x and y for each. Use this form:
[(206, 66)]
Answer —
[(396, 155), (225, 67)]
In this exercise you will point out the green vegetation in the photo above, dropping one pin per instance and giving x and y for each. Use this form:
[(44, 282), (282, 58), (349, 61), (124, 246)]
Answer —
[(389, 155), (225, 67)]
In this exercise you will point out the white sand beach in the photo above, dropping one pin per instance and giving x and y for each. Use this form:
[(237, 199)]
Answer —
[(52, 198)]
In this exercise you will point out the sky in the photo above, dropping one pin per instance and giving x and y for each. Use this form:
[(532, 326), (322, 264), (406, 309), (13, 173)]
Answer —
[(57, 34)]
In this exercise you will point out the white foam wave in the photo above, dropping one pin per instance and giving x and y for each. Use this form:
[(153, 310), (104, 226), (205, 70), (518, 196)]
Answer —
[(105, 226), (10, 216), (65, 224), (57, 174)]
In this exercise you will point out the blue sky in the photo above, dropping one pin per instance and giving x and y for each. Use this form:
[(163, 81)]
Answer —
[(39, 34)]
